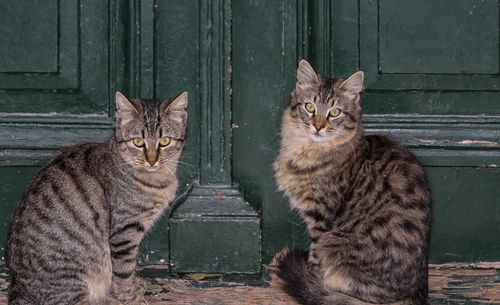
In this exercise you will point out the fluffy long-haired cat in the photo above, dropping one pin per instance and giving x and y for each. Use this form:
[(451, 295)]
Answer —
[(365, 200), (75, 233)]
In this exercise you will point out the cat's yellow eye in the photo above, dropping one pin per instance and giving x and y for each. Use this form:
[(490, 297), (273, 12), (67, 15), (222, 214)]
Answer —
[(310, 107), (334, 112), (139, 142), (164, 141)]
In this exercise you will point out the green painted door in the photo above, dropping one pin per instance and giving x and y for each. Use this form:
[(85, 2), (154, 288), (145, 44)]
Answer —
[(432, 83)]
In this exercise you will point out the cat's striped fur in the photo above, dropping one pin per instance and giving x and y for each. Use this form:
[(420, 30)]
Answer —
[(75, 234), (365, 199)]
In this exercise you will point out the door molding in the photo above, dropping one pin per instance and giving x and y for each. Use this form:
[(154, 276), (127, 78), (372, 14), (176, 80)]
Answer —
[(214, 229)]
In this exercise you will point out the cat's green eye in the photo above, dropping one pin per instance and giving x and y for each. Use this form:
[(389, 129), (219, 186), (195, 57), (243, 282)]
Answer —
[(164, 141), (139, 142), (310, 107), (334, 112)]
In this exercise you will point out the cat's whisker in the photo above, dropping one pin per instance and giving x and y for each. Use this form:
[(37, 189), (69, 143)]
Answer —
[(353, 150), (186, 156), (178, 169), (169, 170), (128, 164), (176, 162)]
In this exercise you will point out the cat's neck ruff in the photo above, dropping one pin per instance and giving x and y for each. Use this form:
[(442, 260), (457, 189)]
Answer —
[(303, 151)]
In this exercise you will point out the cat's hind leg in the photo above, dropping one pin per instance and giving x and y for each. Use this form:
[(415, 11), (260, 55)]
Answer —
[(20, 301)]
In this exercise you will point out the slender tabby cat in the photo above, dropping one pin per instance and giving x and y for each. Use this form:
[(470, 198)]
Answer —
[(75, 233), (365, 200)]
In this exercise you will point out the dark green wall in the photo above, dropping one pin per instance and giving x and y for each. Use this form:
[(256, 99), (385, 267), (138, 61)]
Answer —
[(432, 82)]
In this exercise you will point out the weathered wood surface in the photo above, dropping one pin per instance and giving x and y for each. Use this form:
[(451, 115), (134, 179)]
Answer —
[(449, 284)]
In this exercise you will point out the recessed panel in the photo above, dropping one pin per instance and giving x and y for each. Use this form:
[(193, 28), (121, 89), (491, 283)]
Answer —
[(28, 36), (13, 181), (438, 36), (466, 214), (79, 85), (46, 54)]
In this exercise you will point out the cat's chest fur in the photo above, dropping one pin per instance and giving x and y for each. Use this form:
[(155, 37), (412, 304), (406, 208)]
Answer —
[(144, 196), (313, 174)]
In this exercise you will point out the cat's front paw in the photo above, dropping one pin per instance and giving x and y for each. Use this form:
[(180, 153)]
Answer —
[(140, 286), (138, 301), (135, 293), (140, 289)]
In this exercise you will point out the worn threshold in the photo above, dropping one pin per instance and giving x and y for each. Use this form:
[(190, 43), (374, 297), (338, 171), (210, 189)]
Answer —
[(448, 284)]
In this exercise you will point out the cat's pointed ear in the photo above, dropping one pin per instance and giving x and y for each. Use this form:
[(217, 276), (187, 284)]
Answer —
[(179, 103), (126, 111), (353, 85), (176, 111), (306, 75)]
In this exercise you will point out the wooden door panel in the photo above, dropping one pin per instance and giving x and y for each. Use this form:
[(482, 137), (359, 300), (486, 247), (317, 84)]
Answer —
[(438, 37), (13, 180), (28, 37), (58, 52), (466, 213), (429, 45), (432, 103)]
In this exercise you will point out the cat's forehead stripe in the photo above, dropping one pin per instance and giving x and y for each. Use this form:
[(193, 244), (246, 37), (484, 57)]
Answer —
[(327, 91), (151, 115)]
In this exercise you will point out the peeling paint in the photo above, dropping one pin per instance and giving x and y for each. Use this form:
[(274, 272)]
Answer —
[(469, 142), (427, 141)]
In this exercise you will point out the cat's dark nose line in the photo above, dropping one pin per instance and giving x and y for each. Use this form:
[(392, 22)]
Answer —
[(318, 127), (151, 160)]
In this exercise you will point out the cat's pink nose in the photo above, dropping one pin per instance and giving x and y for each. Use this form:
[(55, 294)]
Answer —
[(318, 126), (151, 158)]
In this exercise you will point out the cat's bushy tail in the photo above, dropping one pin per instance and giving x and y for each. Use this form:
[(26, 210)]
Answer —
[(305, 285), (300, 280)]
